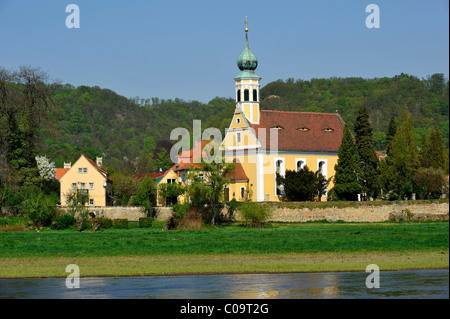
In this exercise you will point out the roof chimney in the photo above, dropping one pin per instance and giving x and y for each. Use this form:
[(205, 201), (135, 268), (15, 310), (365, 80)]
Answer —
[(67, 165), (99, 161)]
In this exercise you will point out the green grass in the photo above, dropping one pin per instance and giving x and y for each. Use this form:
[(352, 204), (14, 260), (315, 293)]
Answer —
[(306, 238), (281, 247)]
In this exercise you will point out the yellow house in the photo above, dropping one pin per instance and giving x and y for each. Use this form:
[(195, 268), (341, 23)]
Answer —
[(269, 142), (86, 176), (169, 177)]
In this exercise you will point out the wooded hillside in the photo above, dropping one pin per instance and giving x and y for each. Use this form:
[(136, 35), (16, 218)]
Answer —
[(99, 122)]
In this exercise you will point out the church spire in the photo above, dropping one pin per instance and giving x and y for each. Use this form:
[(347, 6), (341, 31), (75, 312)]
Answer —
[(247, 83), (247, 60)]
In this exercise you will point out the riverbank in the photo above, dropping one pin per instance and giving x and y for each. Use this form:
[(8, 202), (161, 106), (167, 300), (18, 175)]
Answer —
[(123, 266), (307, 247)]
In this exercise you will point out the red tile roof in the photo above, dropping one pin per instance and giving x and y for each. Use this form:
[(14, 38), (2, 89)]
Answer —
[(60, 172), (314, 137), (239, 173), (104, 174), (152, 175)]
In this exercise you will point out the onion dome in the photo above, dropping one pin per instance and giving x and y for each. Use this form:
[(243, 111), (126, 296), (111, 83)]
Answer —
[(247, 61)]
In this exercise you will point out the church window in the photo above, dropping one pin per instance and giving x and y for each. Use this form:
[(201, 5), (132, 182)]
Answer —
[(255, 95), (246, 95), (239, 95)]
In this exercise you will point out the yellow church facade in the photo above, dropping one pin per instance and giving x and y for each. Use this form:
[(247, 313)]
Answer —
[(269, 142)]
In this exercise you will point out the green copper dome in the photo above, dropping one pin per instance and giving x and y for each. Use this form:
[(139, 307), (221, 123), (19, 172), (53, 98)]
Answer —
[(247, 60)]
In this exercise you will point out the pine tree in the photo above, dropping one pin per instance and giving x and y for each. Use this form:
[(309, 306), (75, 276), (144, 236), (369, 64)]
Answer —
[(391, 132), (403, 161), (368, 173), (346, 186), (436, 149)]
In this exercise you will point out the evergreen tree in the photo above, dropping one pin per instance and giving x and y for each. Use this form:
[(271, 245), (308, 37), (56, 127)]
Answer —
[(391, 132), (346, 186), (368, 173), (436, 149), (403, 161)]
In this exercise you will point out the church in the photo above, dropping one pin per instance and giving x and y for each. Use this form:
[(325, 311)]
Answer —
[(265, 142)]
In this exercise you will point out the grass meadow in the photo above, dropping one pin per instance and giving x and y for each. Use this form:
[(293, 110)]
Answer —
[(280, 247)]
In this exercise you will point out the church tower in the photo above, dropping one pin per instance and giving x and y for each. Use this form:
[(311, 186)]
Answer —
[(247, 83)]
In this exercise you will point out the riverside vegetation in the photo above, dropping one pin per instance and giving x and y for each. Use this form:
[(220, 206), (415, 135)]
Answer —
[(230, 247)]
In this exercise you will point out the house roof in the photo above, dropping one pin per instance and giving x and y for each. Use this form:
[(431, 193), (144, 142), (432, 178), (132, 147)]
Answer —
[(239, 173), (102, 172), (151, 175), (191, 158), (60, 172), (301, 131)]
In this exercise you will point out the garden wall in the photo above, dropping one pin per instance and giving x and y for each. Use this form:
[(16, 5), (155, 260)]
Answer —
[(363, 213)]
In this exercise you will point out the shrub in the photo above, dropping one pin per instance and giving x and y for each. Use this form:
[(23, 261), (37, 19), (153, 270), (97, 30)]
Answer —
[(145, 222), (39, 208), (63, 222), (254, 214), (192, 220), (180, 210), (105, 223), (120, 223)]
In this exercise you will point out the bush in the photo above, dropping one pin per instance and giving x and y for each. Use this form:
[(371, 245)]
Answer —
[(105, 223), (63, 222), (180, 210), (254, 214), (120, 223), (39, 208), (192, 220), (145, 222)]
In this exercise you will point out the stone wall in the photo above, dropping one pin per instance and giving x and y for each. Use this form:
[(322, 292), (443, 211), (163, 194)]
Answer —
[(363, 213), (131, 213)]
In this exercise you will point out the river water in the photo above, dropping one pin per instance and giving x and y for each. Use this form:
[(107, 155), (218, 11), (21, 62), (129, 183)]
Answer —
[(407, 284)]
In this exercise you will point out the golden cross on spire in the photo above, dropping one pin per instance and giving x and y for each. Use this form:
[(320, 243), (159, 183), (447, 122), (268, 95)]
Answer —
[(246, 24)]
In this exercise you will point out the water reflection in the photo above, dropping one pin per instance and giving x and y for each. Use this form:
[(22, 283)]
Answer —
[(393, 284)]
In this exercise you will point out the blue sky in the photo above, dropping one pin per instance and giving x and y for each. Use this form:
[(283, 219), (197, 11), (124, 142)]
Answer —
[(188, 49)]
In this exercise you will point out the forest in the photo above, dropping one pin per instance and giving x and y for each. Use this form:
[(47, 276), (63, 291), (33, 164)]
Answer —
[(99, 122), (43, 124)]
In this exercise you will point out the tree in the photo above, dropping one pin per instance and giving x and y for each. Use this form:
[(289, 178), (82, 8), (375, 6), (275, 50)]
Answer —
[(205, 188), (346, 186), (403, 161), (46, 167), (124, 188), (163, 160), (146, 194), (302, 185), (24, 96), (391, 132), (436, 149), (368, 173), (429, 183)]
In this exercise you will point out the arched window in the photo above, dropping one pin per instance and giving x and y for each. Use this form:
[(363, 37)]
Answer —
[(246, 95), (300, 164), (279, 170), (322, 168), (239, 95), (255, 95)]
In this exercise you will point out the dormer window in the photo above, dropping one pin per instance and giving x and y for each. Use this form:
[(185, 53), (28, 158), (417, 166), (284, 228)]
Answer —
[(328, 129), (303, 129), (277, 127)]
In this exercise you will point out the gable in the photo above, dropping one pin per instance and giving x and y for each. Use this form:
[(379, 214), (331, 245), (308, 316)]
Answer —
[(91, 169), (239, 126)]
